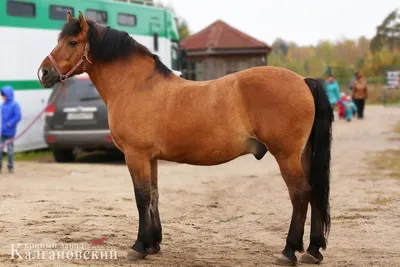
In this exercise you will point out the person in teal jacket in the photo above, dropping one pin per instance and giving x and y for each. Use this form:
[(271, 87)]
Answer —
[(332, 90)]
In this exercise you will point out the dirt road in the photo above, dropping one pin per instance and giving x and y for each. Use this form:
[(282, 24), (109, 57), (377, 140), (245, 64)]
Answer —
[(236, 214)]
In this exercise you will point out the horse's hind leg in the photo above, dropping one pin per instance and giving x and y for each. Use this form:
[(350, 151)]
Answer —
[(317, 239), (295, 178)]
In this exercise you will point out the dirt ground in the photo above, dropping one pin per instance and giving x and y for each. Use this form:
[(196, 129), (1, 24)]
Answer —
[(235, 214)]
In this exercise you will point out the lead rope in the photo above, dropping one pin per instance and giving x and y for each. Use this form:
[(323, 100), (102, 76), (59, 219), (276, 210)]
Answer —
[(36, 118)]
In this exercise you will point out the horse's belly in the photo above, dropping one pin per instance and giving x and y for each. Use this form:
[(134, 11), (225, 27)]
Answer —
[(205, 151), (204, 158)]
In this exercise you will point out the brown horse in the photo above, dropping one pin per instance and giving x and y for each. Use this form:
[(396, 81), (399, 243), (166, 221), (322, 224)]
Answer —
[(156, 115)]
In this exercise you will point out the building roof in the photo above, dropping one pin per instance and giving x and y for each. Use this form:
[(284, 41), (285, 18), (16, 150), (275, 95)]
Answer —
[(220, 35)]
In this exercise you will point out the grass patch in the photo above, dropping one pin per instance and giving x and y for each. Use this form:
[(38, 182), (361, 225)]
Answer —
[(387, 162), (382, 201), (231, 218), (365, 209), (397, 128), (351, 217), (104, 208), (32, 155)]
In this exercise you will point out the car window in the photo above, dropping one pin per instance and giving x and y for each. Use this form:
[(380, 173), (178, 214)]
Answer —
[(82, 91)]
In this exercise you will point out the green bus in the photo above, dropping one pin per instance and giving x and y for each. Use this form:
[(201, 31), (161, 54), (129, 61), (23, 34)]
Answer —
[(29, 30)]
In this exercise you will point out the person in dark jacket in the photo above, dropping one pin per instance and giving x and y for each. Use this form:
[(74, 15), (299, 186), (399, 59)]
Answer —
[(10, 117)]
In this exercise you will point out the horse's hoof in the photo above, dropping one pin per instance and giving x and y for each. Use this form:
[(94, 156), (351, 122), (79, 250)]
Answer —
[(139, 250), (282, 260), (290, 254), (134, 255), (154, 249), (315, 253), (309, 259)]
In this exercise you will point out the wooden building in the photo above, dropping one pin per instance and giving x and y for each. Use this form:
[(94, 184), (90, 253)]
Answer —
[(220, 49)]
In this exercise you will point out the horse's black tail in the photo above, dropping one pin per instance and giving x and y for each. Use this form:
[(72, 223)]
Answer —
[(320, 140)]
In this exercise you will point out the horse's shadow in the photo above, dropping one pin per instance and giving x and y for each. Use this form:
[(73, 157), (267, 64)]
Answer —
[(113, 157), (95, 157), (101, 157)]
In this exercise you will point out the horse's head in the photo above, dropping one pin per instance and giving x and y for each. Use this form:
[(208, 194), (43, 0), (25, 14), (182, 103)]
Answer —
[(70, 56)]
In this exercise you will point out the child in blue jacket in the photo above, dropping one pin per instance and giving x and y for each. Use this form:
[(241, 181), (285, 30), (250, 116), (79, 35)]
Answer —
[(10, 117), (350, 108)]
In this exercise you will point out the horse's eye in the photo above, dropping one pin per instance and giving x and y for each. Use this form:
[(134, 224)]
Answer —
[(72, 43)]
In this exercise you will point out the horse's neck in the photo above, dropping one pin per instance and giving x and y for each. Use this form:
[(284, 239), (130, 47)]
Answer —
[(114, 79)]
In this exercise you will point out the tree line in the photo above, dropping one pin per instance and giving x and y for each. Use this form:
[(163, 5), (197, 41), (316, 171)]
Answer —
[(371, 56)]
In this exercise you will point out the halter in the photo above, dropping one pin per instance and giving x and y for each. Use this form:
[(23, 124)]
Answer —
[(83, 59)]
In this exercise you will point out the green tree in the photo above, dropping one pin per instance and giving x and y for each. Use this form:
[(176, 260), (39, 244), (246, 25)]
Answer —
[(280, 47), (274, 59), (183, 28), (326, 52), (314, 66), (344, 56), (362, 46), (182, 24), (388, 33)]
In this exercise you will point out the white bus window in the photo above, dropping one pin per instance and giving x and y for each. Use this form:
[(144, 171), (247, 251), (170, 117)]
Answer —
[(60, 12), (126, 19), (21, 9), (97, 16)]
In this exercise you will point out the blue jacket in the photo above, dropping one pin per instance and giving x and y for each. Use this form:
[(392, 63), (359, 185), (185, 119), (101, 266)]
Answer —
[(350, 107), (10, 113), (333, 91)]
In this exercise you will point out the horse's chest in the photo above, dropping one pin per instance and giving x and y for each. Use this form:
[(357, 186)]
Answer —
[(130, 128)]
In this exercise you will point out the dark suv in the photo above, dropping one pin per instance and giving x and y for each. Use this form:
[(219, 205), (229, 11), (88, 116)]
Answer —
[(77, 121)]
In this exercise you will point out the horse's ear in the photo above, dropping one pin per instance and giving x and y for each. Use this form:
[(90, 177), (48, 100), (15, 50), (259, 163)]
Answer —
[(69, 17), (82, 22)]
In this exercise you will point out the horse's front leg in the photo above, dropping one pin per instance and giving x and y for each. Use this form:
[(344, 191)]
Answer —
[(154, 214), (140, 169)]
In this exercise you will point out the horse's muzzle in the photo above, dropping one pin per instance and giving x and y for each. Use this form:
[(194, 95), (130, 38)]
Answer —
[(48, 76)]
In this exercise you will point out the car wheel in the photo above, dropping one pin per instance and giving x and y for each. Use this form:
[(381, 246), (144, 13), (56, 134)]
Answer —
[(64, 155)]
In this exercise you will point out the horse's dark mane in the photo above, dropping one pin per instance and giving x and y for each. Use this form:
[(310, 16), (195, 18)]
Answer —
[(109, 44)]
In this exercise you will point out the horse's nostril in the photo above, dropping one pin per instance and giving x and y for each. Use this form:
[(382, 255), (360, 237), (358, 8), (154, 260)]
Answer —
[(45, 73)]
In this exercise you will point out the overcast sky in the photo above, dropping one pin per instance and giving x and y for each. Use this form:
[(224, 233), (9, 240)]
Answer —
[(301, 21)]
